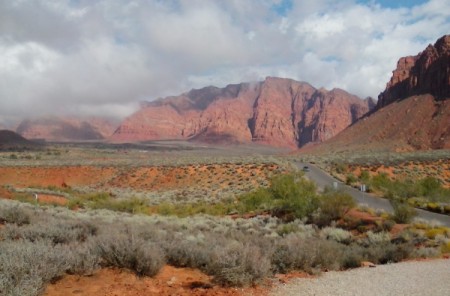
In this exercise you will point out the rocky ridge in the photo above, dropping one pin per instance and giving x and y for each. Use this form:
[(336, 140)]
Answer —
[(278, 112), (426, 73)]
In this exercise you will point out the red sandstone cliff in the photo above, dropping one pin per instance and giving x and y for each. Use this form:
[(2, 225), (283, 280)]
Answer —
[(278, 112), (412, 113), (426, 73), (66, 129)]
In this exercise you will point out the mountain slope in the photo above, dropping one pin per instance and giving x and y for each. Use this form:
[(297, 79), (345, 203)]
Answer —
[(66, 129), (278, 112), (10, 140), (413, 113)]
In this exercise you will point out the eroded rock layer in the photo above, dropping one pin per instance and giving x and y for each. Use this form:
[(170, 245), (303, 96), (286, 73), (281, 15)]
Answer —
[(278, 112)]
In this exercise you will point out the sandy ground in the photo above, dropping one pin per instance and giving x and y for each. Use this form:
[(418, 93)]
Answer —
[(419, 278)]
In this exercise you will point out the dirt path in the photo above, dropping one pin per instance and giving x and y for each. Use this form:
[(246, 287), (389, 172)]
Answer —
[(419, 278)]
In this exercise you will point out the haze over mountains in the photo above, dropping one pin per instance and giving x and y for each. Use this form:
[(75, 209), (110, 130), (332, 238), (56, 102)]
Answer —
[(66, 129), (413, 112)]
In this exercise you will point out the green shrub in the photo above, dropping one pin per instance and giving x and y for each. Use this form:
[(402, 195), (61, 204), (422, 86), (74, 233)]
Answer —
[(403, 213), (259, 200), (333, 205), (350, 179), (364, 176), (294, 197)]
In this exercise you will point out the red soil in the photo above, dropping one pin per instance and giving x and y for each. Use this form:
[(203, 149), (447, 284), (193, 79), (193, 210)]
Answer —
[(137, 178), (169, 281)]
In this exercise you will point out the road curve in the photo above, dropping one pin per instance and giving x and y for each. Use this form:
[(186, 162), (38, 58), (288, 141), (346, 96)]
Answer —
[(323, 179)]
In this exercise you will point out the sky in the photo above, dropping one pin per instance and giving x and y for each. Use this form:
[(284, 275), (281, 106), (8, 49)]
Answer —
[(102, 58)]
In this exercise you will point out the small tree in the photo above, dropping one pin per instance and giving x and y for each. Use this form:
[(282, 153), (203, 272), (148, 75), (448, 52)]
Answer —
[(333, 205), (293, 196), (403, 213)]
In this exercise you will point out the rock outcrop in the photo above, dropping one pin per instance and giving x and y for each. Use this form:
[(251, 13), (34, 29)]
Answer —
[(413, 113), (426, 73), (66, 129), (278, 112)]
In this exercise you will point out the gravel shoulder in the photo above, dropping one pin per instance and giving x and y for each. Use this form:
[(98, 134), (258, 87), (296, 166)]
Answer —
[(407, 278)]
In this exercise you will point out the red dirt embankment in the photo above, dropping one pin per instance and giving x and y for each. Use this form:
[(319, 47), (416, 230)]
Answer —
[(170, 281)]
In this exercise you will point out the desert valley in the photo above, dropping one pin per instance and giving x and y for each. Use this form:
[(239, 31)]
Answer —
[(270, 187)]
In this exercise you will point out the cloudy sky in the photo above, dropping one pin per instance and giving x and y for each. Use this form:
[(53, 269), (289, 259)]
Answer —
[(97, 57)]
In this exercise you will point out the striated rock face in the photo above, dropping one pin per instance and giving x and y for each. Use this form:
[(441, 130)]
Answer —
[(66, 129), (278, 112), (426, 73)]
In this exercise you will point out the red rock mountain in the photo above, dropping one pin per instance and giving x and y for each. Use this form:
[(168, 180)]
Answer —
[(426, 73), (412, 113), (279, 112), (66, 129)]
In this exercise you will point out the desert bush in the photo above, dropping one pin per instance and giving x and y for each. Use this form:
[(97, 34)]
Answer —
[(376, 238), (336, 234), (54, 230), (125, 250), (194, 253), (403, 213), (352, 256), (25, 267), (426, 252), (333, 205), (387, 252), (238, 264), (431, 188), (364, 176), (432, 233), (127, 205), (84, 258), (350, 179), (259, 200), (16, 214), (294, 252)]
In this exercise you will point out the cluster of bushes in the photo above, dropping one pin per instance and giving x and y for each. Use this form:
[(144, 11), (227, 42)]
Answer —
[(38, 245), (427, 193), (430, 188), (290, 196)]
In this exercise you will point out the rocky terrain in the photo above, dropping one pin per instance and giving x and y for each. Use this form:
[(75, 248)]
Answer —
[(66, 129), (413, 113), (279, 112)]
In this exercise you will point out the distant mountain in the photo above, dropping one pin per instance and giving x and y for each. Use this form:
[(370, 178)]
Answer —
[(413, 112), (10, 140), (278, 112), (66, 129)]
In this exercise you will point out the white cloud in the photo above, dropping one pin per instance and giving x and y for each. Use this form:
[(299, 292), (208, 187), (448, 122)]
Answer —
[(98, 57)]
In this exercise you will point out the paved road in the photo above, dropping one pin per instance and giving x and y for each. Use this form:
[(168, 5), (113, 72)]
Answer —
[(323, 179)]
